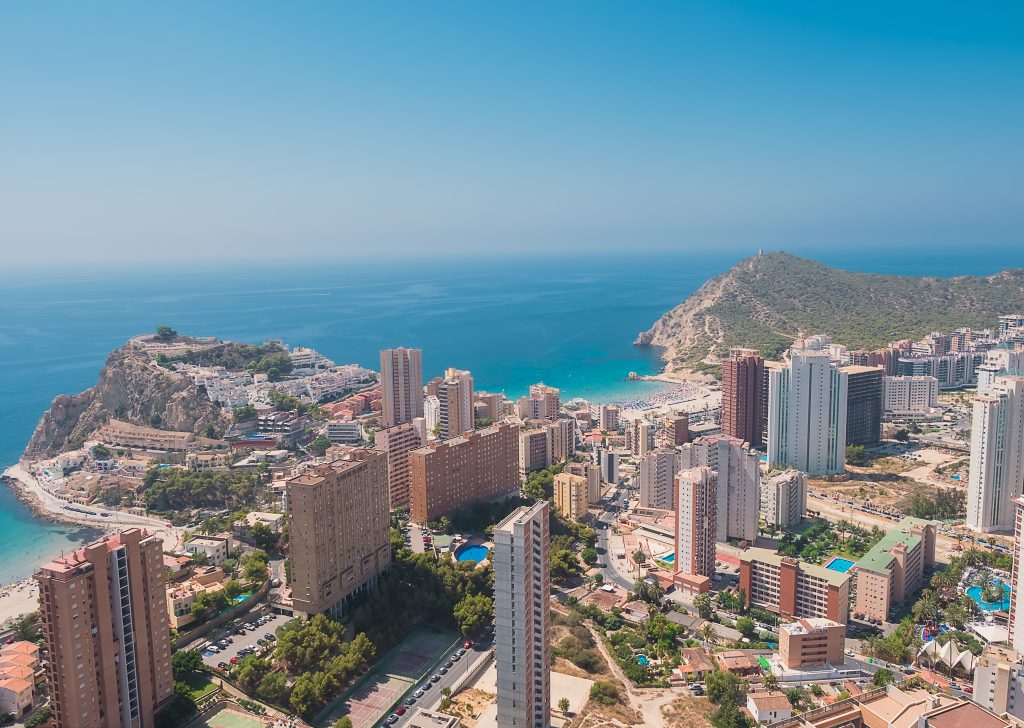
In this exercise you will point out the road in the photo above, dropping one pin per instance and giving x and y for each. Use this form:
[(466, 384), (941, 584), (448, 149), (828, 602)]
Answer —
[(604, 528), (480, 652)]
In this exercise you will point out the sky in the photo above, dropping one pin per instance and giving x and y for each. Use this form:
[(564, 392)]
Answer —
[(137, 132)]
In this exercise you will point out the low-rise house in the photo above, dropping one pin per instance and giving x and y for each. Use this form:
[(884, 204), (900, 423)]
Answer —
[(208, 460), (738, 662), (696, 663), (769, 707), (216, 548), (16, 696), (273, 521)]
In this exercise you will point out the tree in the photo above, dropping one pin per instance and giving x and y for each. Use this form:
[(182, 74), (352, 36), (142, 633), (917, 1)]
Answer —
[(165, 333), (186, 661), (604, 693), (856, 455), (473, 613), (101, 452), (704, 607), (721, 684), (589, 555), (233, 588), (255, 568), (563, 705), (902, 436), (770, 681), (208, 604), (262, 535), (709, 634), (817, 690), (319, 446), (746, 627), (251, 671), (882, 677), (243, 414), (728, 715), (344, 722), (273, 688), (795, 697)]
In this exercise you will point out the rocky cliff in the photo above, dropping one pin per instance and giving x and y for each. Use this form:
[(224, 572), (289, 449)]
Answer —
[(766, 301), (131, 388)]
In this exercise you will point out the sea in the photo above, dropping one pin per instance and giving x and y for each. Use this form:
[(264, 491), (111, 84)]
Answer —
[(569, 322)]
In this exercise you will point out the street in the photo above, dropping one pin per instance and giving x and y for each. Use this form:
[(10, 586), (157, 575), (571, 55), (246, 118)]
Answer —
[(474, 656)]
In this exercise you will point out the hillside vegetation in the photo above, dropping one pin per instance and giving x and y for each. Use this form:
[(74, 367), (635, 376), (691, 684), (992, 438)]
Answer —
[(767, 301)]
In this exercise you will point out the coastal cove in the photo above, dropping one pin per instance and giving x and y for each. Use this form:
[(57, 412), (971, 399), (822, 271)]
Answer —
[(568, 323)]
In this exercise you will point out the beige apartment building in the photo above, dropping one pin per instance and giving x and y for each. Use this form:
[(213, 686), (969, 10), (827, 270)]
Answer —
[(534, 450), (105, 621), (571, 496), (338, 529), (592, 473), (794, 589), (455, 398), (456, 473), (812, 642), (125, 434), (401, 380), (397, 442), (894, 569)]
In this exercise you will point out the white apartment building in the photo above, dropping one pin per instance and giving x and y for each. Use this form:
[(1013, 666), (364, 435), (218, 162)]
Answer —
[(455, 396), (432, 414), (739, 478), (657, 476), (997, 455), (906, 395), (401, 380), (807, 414), (999, 681), (784, 498), (696, 492), (522, 591), (998, 361)]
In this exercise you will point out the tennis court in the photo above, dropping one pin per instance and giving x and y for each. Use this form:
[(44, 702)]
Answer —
[(230, 718), (373, 697)]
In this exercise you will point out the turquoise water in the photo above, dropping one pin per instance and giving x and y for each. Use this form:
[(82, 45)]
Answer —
[(569, 322), (471, 553), (241, 598), (670, 559), (642, 660), (839, 564), (974, 593)]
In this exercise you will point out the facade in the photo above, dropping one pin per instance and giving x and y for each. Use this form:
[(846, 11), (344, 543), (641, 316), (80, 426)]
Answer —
[(561, 438), (543, 403), (571, 496), (677, 430), (909, 395), (895, 567), (455, 395), (863, 405), (696, 492), (397, 442), (784, 498), (401, 379), (534, 450), (432, 414), (609, 463), (999, 361), (640, 437), (768, 707), (522, 633), (449, 475), (953, 369), (743, 396), (592, 473), (339, 536), (125, 434), (1016, 619), (999, 681), (794, 589), (807, 414), (739, 479), (105, 622), (996, 474), (657, 475), (608, 417), (812, 642)]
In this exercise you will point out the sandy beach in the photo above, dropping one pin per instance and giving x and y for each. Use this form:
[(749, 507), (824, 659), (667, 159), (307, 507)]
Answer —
[(21, 597)]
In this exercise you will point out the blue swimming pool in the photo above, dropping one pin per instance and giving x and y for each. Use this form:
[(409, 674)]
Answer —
[(642, 660), (1003, 605), (839, 564), (471, 553), (669, 558)]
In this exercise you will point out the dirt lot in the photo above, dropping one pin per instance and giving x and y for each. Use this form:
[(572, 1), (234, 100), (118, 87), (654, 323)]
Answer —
[(687, 712), (469, 704)]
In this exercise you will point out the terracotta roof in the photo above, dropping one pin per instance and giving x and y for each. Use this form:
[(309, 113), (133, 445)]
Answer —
[(769, 701), (16, 684), (20, 648)]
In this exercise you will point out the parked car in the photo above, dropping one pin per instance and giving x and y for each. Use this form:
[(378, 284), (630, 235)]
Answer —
[(467, 644)]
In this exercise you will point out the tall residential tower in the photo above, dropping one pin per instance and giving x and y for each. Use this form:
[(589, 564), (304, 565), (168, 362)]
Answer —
[(743, 395), (401, 379), (997, 455)]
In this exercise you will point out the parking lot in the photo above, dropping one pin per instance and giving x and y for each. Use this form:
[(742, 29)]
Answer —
[(237, 642)]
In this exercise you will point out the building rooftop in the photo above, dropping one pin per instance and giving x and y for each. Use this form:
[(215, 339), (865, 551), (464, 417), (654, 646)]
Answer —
[(773, 700), (767, 556), (965, 715), (878, 558), (806, 625), (77, 558)]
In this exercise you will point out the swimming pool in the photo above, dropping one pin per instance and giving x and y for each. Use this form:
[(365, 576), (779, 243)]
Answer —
[(974, 593), (475, 553), (642, 660), (838, 563), (669, 558)]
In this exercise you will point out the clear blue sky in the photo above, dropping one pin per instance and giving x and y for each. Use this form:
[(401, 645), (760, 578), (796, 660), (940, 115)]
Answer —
[(210, 130)]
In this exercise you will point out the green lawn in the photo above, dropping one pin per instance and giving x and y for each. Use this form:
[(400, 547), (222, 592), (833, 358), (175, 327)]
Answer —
[(200, 683)]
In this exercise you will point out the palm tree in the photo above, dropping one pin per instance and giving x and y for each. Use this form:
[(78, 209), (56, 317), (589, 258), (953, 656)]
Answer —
[(709, 634)]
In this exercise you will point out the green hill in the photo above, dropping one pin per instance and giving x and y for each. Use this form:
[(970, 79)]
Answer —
[(766, 301)]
